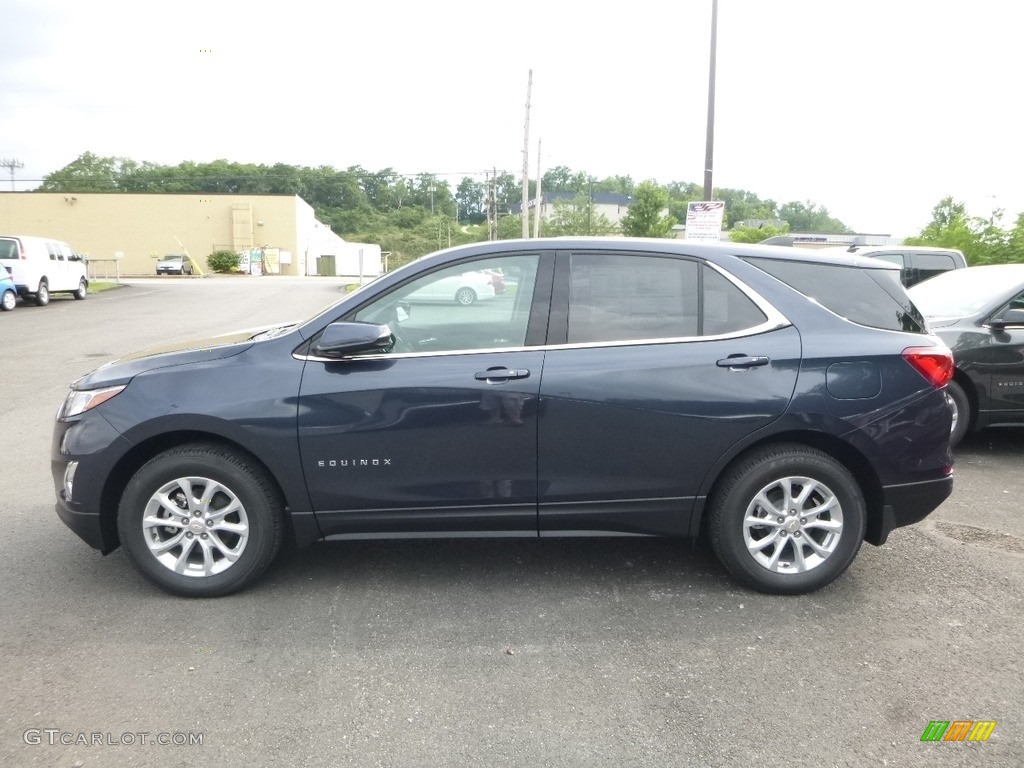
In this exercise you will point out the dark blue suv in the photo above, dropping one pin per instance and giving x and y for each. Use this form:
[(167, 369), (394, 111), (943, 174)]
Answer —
[(789, 406)]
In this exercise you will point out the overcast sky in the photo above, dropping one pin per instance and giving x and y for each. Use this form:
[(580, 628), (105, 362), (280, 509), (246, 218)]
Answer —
[(875, 110)]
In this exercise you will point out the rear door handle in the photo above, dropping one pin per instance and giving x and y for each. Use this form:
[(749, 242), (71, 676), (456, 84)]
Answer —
[(743, 361), (501, 374)]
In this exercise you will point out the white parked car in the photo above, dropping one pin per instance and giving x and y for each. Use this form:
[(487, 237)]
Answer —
[(463, 289), (40, 266)]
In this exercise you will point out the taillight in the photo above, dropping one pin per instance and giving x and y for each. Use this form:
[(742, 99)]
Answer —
[(936, 365)]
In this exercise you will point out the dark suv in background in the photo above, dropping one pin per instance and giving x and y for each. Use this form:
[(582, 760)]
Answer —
[(789, 405), (916, 262)]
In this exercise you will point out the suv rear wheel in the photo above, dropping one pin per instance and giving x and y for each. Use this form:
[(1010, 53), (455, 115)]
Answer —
[(961, 407), (787, 519)]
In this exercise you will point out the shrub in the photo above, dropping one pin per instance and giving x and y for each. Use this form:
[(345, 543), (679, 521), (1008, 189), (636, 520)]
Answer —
[(223, 261)]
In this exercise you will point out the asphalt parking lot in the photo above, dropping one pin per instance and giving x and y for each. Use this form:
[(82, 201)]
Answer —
[(498, 653)]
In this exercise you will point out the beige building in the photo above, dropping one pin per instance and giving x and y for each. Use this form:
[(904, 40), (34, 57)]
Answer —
[(126, 233)]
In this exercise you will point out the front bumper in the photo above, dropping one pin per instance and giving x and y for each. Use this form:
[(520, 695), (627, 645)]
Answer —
[(96, 447), (88, 526)]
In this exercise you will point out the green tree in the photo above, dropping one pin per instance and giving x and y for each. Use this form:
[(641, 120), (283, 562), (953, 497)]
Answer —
[(756, 234), (576, 217), (88, 173), (647, 215), (508, 191), (470, 198), (680, 194), (558, 179), (809, 217), (510, 227), (618, 185), (1015, 241), (741, 205), (982, 241)]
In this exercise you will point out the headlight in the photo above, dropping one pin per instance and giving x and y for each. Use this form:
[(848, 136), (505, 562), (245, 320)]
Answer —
[(80, 401)]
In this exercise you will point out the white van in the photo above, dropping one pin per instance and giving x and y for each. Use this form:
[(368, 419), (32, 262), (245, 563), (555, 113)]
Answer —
[(41, 266)]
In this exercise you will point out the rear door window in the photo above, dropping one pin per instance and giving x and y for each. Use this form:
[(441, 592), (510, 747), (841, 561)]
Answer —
[(637, 297)]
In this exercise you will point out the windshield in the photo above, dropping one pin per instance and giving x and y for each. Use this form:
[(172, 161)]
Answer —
[(963, 292)]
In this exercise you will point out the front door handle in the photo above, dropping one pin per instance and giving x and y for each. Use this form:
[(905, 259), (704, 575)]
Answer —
[(501, 374), (739, 362)]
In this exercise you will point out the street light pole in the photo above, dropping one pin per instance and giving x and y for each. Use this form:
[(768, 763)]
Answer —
[(709, 151)]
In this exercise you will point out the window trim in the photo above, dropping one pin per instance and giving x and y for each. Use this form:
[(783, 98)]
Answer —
[(554, 282)]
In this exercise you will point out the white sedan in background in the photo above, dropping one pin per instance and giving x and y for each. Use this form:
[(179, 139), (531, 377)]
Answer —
[(464, 289)]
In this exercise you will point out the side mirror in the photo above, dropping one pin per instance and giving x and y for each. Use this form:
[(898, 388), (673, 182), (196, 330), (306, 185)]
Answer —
[(345, 339), (1010, 318)]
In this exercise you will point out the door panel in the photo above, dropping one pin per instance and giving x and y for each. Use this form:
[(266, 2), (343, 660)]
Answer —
[(421, 443), (1006, 361), (440, 433), (667, 364), (628, 433)]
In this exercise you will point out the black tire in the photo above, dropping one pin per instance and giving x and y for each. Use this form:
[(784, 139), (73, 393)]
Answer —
[(42, 294), (961, 407), (82, 291), (8, 301), (465, 296), (259, 514), (764, 473)]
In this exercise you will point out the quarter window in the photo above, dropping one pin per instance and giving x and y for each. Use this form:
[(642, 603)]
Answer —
[(871, 297)]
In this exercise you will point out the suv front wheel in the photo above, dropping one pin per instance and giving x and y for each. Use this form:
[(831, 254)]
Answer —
[(787, 519), (200, 520)]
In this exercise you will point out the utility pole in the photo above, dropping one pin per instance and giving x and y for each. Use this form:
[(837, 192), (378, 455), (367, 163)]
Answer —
[(590, 204), (11, 164), (709, 151), (526, 160), (540, 197), (487, 201), (492, 207)]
